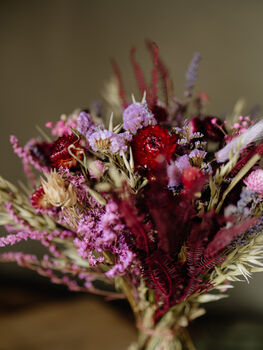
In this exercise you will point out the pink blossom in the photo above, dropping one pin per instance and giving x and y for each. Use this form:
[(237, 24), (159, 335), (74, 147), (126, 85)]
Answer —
[(254, 181)]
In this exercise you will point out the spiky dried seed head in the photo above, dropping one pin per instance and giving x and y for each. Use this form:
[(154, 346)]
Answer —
[(57, 192)]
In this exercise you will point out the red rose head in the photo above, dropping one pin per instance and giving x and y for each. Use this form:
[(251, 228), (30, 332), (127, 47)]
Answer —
[(151, 145), (60, 156)]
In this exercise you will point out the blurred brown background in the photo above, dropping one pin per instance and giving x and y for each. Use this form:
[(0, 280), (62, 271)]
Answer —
[(55, 58)]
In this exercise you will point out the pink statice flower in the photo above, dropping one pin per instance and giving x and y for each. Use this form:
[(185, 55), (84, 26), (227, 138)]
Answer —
[(137, 116), (254, 182), (62, 126), (242, 125)]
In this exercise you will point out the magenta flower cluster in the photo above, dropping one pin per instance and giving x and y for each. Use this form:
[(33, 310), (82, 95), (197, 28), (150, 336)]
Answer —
[(102, 230)]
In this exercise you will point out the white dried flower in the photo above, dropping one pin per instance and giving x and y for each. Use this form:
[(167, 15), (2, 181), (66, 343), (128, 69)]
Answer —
[(57, 192)]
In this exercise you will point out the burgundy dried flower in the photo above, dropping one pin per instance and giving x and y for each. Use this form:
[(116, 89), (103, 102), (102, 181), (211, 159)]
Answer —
[(41, 152), (211, 127), (60, 156), (38, 199), (152, 145), (160, 113)]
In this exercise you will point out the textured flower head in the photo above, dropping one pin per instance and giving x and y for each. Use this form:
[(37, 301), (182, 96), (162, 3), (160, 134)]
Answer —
[(57, 192), (100, 141), (60, 156), (151, 144), (105, 141), (197, 156), (85, 122), (119, 142), (137, 116), (254, 181)]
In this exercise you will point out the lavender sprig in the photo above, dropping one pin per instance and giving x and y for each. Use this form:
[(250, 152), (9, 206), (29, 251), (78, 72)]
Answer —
[(191, 75)]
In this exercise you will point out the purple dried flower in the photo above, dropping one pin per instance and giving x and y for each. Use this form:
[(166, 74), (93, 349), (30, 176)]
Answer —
[(126, 258), (100, 141), (197, 153), (137, 116), (85, 122), (119, 142), (105, 141), (191, 75), (182, 163), (102, 230), (197, 156)]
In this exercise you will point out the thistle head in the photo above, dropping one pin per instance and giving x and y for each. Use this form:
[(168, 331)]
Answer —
[(57, 192)]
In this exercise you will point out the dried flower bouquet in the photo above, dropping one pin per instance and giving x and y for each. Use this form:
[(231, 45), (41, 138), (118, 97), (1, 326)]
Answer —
[(163, 208)]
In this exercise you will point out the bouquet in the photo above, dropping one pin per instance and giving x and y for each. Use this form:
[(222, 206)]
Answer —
[(161, 205)]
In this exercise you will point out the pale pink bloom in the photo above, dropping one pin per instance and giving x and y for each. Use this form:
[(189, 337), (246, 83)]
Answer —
[(236, 125), (254, 181), (49, 125), (213, 121)]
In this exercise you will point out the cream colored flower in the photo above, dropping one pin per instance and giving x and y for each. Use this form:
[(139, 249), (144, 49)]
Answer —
[(57, 192)]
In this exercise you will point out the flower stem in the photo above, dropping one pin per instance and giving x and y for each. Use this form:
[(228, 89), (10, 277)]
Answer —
[(126, 288), (127, 291), (188, 340)]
